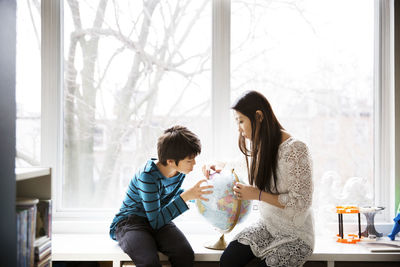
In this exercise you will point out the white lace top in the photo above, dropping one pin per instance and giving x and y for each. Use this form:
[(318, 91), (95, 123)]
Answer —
[(294, 222)]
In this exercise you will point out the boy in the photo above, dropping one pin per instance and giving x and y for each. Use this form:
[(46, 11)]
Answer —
[(144, 226)]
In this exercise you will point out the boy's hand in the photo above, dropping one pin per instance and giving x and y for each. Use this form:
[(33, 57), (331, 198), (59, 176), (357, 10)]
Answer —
[(213, 167), (197, 191)]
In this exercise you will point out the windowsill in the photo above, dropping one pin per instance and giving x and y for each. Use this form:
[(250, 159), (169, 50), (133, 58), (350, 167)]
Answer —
[(99, 247), (75, 240)]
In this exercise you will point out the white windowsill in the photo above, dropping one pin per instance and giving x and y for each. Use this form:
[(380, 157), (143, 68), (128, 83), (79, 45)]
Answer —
[(99, 247), (89, 241)]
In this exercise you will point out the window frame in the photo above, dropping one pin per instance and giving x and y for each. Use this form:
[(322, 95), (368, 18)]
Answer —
[(52, 107), (384, 115)]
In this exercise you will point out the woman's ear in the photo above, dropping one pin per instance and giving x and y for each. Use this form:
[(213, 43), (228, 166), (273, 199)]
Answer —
[(259, 115)]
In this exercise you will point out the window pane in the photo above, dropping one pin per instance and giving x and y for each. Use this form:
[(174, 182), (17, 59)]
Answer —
[(132, 69), (28, 84), (313, 60)]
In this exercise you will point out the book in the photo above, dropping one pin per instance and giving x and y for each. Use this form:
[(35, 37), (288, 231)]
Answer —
[(22, 215), (41, 244), (46, 252), (31, 234), (44, 218), (26, 214), (382, 246), (40, 240), (46, 262)]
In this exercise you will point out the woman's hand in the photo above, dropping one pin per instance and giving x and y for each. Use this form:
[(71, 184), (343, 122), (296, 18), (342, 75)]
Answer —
[(217, 167), (248, 192), (245, 192), (197, 191)]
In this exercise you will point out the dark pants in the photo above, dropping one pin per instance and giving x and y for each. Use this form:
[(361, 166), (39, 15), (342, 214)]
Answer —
[(239, 255), (142, 243)]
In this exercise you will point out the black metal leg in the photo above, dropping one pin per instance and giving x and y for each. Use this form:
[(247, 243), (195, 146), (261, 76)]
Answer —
[(341, 225)]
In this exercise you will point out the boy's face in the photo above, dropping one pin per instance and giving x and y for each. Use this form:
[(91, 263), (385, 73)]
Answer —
[(186, 165)]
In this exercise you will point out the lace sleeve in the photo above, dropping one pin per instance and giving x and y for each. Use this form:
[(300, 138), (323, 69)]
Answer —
[(298, 178)]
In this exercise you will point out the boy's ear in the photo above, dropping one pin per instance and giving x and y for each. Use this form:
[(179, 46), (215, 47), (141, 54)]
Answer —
[(259, 115), (170, 162)]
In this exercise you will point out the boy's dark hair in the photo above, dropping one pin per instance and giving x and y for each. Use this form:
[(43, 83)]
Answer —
[(177, 143)]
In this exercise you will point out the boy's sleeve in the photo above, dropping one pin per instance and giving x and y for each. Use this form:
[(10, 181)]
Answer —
[(158, 216), (180, 191)]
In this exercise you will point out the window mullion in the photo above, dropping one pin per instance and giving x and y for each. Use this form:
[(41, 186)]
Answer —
[(384, 107), (396, 99), (51, 73), (220, 95)]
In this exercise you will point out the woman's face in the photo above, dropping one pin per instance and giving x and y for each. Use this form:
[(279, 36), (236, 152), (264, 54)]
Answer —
[(244, 124)]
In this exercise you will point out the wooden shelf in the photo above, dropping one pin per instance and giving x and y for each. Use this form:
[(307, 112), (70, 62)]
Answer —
[(31, 172), (34, 182)]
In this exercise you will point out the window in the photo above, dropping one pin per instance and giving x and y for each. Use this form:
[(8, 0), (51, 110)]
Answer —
[(132, 69), (28, 84), (317, 72)]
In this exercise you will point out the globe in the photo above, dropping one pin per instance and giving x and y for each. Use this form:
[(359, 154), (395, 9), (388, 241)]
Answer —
[(223, 210)]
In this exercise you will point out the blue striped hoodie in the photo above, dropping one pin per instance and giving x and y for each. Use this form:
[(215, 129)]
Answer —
[(152, 195)]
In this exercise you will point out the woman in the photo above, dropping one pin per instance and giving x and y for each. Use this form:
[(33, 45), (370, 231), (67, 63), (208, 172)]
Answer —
[(280, 177)]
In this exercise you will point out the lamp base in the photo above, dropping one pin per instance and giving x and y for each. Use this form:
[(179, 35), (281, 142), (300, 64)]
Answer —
[(370, 213)]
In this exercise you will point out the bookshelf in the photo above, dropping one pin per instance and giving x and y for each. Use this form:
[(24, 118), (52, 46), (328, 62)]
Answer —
[(34, 183)]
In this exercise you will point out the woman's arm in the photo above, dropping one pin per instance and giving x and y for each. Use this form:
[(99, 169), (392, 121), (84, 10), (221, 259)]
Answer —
[(248, 192), (298, 178), (271, 199)]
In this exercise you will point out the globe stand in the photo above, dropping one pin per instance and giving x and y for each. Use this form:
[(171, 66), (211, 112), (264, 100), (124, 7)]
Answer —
[(219, 245)]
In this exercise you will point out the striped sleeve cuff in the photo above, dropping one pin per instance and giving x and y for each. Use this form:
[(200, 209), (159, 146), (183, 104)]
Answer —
[(182, 206)]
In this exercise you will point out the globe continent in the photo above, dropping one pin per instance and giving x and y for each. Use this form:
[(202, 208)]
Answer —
[(223, 210)]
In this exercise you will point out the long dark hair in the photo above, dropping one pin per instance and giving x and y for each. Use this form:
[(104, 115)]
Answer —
[(266, 137)]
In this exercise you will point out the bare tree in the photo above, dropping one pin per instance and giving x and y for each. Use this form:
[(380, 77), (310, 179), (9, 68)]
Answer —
[(82, 89)]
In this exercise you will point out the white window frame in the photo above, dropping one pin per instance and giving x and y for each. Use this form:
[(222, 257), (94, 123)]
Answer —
[(52, 103), (384, 158), (51, 96)]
